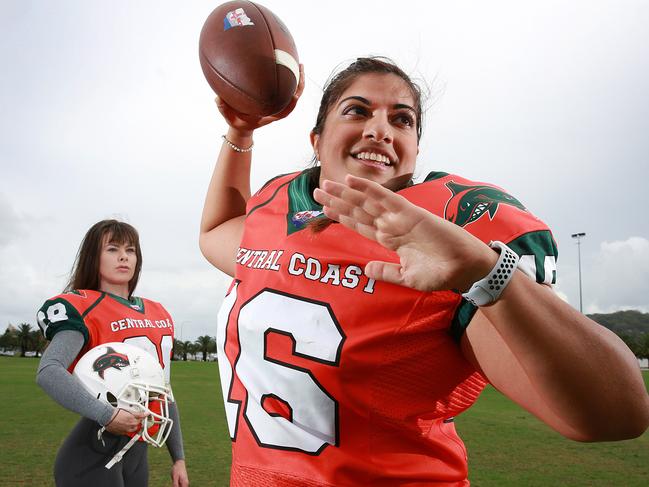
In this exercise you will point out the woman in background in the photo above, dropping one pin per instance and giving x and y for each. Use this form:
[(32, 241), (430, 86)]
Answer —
[(99, 295)]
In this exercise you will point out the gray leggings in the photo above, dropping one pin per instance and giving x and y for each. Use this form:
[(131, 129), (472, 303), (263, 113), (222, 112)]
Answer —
[(81, 460)]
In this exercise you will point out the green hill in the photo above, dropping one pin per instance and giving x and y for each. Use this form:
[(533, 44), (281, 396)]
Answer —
[(628, 322)]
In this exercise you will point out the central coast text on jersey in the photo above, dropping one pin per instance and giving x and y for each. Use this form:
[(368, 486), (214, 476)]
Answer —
[(126, 323), (259, 259), (299, 265)]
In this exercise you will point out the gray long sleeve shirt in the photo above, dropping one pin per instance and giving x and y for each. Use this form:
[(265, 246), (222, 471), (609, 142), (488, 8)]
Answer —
[(66, 389)]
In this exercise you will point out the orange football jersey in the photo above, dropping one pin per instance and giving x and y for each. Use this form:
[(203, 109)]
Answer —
[(333, 379), (103, 317)]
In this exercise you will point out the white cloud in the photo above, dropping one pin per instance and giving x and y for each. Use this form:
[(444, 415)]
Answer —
[(11, 222), (619, 278), (192, 297)]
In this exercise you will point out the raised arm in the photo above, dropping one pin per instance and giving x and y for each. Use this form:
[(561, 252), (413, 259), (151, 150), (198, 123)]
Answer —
[(225, 203), (229, 189), (569, 371)]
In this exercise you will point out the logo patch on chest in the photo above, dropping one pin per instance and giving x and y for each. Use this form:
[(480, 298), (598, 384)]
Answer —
[(301, 218)]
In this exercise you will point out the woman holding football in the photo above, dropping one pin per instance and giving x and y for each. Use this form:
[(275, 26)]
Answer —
[(98, 307), (346, 349)]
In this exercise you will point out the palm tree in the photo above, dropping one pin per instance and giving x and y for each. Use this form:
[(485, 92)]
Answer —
[(38, 342), (205, 344), (9, 340), (24, 338), (188, 347), (177, 350)]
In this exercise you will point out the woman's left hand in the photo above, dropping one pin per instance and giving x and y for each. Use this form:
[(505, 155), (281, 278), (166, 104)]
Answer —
[(575, 375), (179, 476), (434, 254)]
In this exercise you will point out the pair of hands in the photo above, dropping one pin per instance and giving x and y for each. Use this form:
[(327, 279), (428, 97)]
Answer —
[(124, 422), (434, 254)]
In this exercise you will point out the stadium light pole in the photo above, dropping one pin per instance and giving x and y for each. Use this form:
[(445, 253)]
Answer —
[(579, 236)]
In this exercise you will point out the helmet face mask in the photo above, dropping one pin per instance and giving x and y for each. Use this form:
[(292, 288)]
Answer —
[(129, 378), (153, 401)]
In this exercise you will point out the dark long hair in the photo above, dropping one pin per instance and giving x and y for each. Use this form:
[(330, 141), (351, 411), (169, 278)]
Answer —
[(85, 270)]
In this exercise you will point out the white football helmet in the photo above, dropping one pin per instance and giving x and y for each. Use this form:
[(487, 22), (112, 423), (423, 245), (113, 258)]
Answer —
[(130, 378)]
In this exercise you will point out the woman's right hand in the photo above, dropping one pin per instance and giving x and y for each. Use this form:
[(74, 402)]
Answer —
[(124, 422), (434, 254), (245, 124)]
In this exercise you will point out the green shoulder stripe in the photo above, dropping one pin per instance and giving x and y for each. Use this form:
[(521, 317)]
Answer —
[(252, 210), (435, 175), (273, 179), (56, 315), (91, 307), (538, 253)]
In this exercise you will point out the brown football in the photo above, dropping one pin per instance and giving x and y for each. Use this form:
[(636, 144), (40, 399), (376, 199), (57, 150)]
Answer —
[(249, 58)]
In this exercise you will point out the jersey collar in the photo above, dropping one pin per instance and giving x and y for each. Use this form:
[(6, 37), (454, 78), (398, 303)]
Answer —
[(135, 302)]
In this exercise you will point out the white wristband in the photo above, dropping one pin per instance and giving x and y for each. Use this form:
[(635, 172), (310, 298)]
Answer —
[(488, 289)]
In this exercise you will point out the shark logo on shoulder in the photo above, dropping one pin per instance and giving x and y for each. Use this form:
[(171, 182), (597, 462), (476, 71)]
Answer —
[(110, 359), (468, 203)]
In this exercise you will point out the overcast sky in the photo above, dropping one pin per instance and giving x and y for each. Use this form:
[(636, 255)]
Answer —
[(105, 113)]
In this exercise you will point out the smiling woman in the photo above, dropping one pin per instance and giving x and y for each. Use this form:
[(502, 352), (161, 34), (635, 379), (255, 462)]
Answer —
[(371, 132), (332, 377), (98, 307)]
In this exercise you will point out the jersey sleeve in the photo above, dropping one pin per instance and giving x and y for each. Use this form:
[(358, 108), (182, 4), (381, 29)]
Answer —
[(491, 213), (538, 255), (496, 215), (59, 314)]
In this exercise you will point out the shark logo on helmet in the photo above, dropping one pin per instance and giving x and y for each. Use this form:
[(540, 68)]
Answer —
[(469, 203), (110, 359)]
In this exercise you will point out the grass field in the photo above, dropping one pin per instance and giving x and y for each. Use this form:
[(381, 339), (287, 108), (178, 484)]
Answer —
[(507, 447)]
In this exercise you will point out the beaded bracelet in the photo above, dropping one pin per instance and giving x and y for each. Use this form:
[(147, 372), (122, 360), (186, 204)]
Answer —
[(236, 148)]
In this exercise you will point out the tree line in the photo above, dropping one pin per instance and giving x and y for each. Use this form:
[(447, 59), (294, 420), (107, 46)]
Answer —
[(203, 345), (631, 326), (25, 339)]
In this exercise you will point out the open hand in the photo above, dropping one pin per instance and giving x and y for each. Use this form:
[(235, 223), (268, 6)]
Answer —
[(434, 254)]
